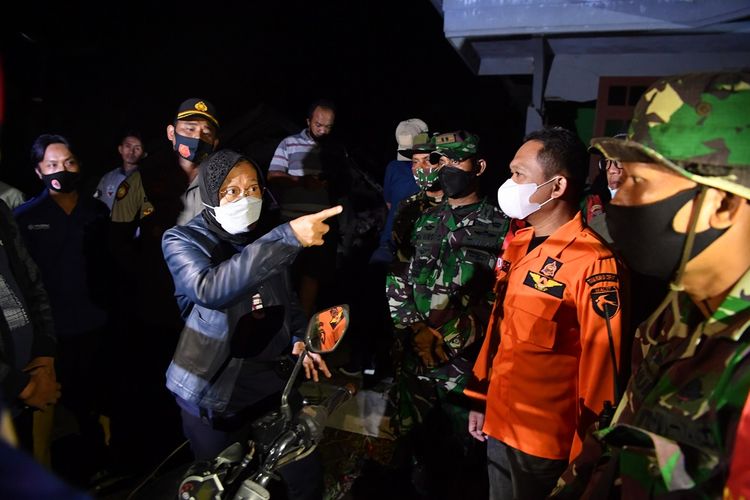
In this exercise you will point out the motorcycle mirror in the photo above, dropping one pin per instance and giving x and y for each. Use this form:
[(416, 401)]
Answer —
[(326, 329), (324, 332)]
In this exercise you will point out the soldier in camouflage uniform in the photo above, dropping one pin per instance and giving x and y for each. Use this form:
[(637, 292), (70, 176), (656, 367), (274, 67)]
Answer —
[(682, 214), (442, 301), (427, 177)]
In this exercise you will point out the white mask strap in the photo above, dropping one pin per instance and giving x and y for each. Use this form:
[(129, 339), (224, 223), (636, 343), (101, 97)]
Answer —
[(544, 183)]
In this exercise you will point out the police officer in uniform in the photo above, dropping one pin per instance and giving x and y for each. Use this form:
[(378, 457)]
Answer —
[(158, 196)]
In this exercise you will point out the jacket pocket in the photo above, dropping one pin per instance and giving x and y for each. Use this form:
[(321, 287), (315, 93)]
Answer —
[(203, 346), (531, 328)]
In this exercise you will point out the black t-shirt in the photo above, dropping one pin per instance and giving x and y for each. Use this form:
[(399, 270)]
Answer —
[(535, 242)]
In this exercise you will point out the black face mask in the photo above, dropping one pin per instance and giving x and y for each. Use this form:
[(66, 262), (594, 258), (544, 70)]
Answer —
[(322, 140), (457, 183), (435, 186), (646, 240), (62, 181), (191, 148)]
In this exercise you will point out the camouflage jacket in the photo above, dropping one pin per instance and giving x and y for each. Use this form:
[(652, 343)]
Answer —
[(673, 432), (409, 210), (448, 283)]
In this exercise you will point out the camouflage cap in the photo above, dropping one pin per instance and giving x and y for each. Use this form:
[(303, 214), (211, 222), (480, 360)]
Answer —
[(458, 145), (423, 143), (697, 125)]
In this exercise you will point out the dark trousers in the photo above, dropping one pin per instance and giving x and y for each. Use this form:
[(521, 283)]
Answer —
[(80, 450), (23, 423), (303, 478), (142, 411), (369, 335), (518, 475)]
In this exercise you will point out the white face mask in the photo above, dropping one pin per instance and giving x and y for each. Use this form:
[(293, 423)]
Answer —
[(513, 198), (235, 217), (612, 192)]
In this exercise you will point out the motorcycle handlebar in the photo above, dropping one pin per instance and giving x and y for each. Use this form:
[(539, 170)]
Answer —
[(304, 435), (314, 417), (341, 395)]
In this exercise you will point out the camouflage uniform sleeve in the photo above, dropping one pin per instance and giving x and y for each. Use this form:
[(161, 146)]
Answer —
[(585, 470), (400, 294)]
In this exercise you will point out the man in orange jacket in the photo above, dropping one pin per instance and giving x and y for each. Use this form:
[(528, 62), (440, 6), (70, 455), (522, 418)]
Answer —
[(549, 360)]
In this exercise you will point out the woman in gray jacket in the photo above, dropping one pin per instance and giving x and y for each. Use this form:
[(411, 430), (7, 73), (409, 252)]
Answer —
[(242, 319)]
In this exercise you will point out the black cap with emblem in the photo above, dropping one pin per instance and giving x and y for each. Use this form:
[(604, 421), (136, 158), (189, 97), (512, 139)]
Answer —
[(197, 108)]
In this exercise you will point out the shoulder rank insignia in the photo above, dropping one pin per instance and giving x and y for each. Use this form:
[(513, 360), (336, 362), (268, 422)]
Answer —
[(544, 284), (605, 300)]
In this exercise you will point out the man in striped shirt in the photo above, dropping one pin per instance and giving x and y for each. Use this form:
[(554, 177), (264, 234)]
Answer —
[(298, 175)]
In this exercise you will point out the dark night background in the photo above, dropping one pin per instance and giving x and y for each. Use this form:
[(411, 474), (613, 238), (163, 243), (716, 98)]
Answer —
[(91, 73)]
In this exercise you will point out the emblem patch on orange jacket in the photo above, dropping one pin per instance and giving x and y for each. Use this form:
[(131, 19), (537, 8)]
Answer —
[(502, 265), (550, 267), (544, 284), (606, 301)]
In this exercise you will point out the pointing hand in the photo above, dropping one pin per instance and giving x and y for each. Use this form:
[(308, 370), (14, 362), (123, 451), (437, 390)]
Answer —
[(309, 229)]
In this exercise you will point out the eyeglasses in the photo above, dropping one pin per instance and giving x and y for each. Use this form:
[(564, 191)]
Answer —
[(605, 164), (233, 193)]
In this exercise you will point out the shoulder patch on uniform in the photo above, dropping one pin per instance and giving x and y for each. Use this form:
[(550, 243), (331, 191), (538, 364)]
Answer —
[(550, 267), (147, 208), (606, 301), (502, 265), (122, 190), (544, 284), (598, 278)]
